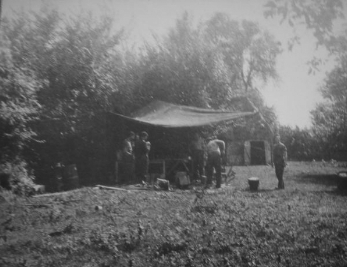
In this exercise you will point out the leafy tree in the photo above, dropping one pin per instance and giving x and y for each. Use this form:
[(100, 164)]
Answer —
[(318, 16), (215, 64), (73, 57), (330, 117), (249, 53), (19, 106), (301, 143), (207, 65), (73, 63)]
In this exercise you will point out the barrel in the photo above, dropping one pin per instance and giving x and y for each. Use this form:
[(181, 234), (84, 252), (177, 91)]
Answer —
[(253, 183), (71, 177)]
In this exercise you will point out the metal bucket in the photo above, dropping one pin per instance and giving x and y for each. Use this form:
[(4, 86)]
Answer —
[(253, 183)]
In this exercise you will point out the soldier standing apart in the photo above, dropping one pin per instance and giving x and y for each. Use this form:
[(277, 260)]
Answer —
[(127, 160), (142, 148), (280, 160), (197, 150), (215, 152)]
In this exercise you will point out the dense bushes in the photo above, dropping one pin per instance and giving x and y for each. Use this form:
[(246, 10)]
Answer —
[(15, 176)]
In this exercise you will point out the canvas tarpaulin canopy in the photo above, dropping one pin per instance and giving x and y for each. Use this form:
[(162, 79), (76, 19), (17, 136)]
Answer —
[(164, 114)]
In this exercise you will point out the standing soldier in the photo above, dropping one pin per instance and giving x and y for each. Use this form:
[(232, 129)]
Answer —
[(215, 153), (127, 159), (197, 150), (280, 160), (142, 148)]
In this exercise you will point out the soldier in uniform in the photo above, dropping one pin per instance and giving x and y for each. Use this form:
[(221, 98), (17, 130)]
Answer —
[(215, 153), (280, 160), (197, 150), (126, 167), (142, 148)]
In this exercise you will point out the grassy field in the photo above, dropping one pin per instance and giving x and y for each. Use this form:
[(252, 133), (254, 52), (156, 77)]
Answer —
[(303, 225)]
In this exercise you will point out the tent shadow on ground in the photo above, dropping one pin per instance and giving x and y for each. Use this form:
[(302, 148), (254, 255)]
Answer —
[(321, 179), (337, 192)]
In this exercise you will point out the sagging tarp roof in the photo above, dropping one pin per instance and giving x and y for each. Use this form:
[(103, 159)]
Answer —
[(164, 114)]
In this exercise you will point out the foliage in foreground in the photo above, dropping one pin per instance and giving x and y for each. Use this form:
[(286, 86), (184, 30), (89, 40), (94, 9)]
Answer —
[(16, 178), (301, 226)]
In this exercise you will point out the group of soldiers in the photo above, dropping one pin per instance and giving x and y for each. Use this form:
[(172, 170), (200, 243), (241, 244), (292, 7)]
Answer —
[(215, 150), (134, 160), (207, 158)]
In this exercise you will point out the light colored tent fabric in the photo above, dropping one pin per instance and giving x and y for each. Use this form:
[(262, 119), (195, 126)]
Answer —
[(170, 115)]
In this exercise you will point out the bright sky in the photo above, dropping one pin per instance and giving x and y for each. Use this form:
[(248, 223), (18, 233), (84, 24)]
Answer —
[(293, 97)]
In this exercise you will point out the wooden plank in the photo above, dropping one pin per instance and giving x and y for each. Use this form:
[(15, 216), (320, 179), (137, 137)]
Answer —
[(110, 188)]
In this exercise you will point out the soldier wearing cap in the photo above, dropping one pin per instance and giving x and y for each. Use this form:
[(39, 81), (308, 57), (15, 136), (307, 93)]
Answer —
[(280, 160)]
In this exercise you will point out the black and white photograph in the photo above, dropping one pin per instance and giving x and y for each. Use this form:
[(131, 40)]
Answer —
[(190, 133)]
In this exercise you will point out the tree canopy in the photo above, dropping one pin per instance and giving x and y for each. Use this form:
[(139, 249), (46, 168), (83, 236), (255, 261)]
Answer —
[(330, 117), (320, 17)]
